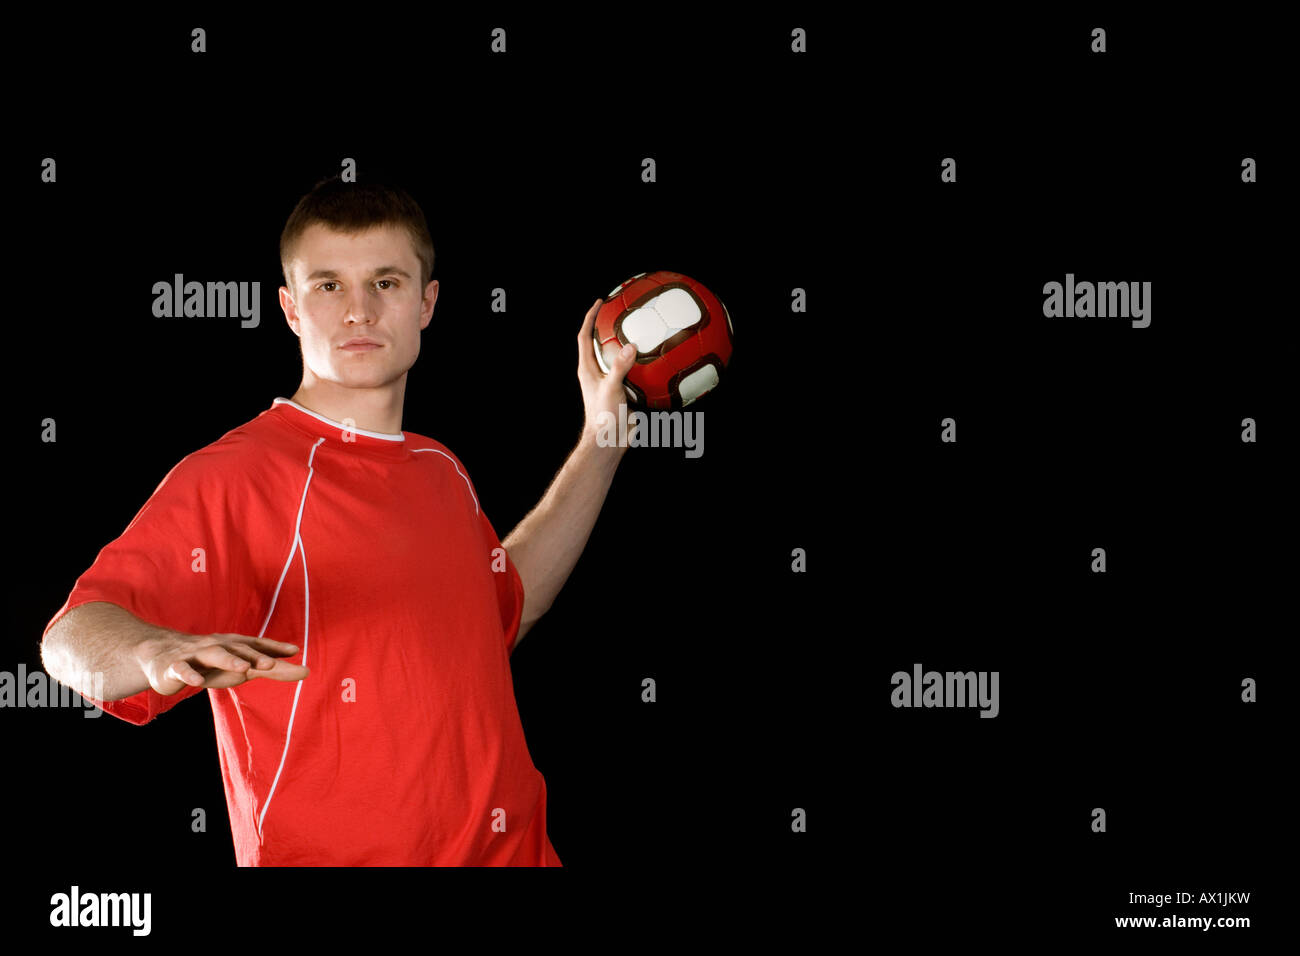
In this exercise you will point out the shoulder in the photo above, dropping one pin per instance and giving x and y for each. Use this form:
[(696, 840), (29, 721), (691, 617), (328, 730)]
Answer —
[(433, 449), (250, 454), (440, 456)]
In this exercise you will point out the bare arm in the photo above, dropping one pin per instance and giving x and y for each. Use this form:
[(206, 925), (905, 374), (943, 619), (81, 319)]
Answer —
[(98, 637), (546, 545), (133, 655)]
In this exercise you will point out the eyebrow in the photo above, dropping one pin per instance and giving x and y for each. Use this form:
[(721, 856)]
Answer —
[(382, 270)]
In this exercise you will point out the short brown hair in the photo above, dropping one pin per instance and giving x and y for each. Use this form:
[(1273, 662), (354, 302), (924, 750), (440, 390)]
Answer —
[(357, 207)]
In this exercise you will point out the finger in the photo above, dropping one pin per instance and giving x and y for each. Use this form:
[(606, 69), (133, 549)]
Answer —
[(252, 655), (589, 319), (282, 670), (276, 648), (215, 655), (624, 359), (181, 671), (586, 347)]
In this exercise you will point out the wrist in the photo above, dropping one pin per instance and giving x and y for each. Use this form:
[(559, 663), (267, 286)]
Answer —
[(602, 442), (150, 645)]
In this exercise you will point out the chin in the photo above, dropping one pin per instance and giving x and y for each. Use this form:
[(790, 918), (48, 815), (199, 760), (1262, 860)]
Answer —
[(367, 378)]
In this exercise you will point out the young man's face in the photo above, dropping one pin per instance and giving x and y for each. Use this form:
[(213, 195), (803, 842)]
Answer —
[(357, 286)]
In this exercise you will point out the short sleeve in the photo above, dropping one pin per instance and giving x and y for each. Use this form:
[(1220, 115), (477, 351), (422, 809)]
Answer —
[(174, 567), (510, 586)]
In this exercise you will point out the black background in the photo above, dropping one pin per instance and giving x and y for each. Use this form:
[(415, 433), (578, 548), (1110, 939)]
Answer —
[(775, 171)]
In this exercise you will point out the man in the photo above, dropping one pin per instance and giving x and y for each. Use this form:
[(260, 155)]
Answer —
[(351, 565)]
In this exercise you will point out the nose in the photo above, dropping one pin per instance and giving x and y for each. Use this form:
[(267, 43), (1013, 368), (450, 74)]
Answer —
[(359, 307)]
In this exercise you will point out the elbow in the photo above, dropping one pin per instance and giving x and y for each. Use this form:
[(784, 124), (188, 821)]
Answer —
[(526, 623), (52, 657)]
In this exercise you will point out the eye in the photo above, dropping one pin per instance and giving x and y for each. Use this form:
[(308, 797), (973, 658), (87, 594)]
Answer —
[(324, 284), (391, 281)]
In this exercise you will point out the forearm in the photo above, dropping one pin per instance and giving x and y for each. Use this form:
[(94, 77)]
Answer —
[(98, 638), (545, 546)]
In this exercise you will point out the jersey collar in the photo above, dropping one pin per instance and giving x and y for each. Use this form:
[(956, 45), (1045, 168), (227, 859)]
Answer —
[(319, 425)]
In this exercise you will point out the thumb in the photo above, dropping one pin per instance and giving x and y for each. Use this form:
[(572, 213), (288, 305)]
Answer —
[(625, 359)]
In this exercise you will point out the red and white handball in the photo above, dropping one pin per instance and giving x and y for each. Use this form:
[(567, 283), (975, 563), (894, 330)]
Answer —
[(682, 333)]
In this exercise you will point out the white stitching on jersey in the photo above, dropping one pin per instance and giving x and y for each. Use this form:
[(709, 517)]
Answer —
[(458, 471), (297, 547)]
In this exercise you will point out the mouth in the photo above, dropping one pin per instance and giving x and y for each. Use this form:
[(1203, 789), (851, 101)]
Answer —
[(360, 346)]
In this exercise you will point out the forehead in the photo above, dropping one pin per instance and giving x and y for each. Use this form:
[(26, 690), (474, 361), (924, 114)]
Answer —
[(323, 247)]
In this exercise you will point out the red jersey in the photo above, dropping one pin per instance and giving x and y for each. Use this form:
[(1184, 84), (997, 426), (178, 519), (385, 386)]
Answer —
[(372, 554)]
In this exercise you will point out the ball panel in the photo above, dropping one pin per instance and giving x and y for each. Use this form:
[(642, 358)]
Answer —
[(646, 328), (697, 383), (678, 309)]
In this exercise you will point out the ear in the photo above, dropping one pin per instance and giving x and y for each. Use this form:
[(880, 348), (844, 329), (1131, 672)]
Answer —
[(290, 310), (426, 306)]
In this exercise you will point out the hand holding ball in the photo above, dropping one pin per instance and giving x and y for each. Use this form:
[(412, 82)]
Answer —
[(682, 333)]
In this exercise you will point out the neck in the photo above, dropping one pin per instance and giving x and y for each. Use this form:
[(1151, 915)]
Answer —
[(373, 409)]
